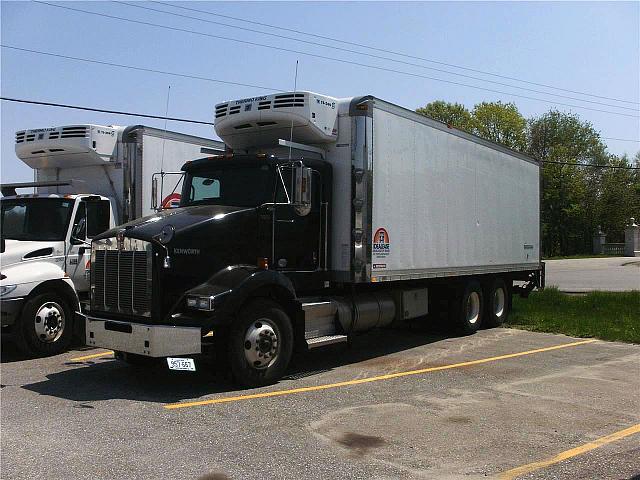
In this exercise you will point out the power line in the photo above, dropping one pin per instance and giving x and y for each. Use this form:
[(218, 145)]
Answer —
[(195, 77), (621, 139), (142, 69), (256, 44), (591, 165), (114, 112), (262, 24), (324, 45), (201, 122)]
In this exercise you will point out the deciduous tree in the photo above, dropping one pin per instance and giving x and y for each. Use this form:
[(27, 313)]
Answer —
[(453, 114)]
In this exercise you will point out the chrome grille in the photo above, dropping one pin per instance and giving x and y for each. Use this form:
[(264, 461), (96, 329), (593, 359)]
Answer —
[(121, 279)]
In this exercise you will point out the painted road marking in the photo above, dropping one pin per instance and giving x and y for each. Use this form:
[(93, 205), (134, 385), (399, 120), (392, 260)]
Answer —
[(531, 467), (359, 381), (95, 355)]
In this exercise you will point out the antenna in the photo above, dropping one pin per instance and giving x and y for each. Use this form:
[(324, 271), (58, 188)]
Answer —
[(164, 138), (295, 86)]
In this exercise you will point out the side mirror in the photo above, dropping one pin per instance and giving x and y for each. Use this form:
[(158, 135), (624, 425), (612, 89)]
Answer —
[(302, 192), (78, 233), (154, 193)]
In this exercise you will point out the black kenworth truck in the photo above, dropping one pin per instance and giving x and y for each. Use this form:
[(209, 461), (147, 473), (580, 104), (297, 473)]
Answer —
[(280, 246)]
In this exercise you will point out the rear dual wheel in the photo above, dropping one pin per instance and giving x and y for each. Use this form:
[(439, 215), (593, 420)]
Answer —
[(475, 307), (498, 303), (467, 308)]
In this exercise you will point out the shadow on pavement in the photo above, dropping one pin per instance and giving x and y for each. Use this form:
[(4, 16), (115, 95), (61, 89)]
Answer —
[(9, 353), (108, 379)]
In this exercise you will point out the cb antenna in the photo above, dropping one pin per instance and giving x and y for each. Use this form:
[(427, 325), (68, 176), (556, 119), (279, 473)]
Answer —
[(164, 138), (295, 86)]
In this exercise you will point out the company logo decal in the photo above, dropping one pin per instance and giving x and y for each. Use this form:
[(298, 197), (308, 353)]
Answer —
[(186, 251), (381, 243), (328, 104), (249, 100)]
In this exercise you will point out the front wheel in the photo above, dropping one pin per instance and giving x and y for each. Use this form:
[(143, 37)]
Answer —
[(46, 325), (260, 344)]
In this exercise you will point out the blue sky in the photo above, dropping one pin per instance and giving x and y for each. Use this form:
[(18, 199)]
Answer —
[(586, 47)]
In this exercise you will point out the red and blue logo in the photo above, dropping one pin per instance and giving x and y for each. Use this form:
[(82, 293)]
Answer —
[(381, 243)]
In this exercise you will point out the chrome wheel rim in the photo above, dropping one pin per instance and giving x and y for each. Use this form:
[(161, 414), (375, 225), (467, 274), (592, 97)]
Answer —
[(261, 345), (473, 308), (499, 302), (49, 322)]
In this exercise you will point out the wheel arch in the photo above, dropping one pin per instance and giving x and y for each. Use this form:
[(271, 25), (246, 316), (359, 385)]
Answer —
[(234, 287), (60, 287)]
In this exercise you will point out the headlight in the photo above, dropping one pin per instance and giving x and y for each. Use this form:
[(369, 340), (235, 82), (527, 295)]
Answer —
[(5, 289), (166, 234), (200, 302)]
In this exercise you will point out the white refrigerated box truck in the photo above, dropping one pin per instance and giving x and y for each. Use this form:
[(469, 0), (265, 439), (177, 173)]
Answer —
[(325, 218), (88, 178)]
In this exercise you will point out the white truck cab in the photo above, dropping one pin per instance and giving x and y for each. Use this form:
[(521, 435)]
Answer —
[(45, 264)]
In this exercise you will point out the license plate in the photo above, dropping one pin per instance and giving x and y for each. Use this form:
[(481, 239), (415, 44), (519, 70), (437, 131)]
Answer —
[(181, 364)]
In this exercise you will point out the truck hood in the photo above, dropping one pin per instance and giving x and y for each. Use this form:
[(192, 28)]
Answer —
[(182, 219), (17, 249)]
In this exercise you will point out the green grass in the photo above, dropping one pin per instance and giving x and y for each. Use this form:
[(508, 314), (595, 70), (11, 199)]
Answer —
[(604, 315)]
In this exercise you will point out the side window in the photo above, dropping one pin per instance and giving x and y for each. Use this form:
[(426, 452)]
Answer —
[(14, 219), (98, 214), (79, 230)]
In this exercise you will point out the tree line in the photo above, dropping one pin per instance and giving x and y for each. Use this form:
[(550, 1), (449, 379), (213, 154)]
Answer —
[(576, 200)]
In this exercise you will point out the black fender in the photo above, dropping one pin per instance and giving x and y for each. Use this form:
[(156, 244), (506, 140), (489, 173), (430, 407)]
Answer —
[(233, 286)]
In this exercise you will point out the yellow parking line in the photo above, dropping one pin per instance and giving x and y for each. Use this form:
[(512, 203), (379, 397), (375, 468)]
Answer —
[(359, 381), (531, 467), (95, 355)]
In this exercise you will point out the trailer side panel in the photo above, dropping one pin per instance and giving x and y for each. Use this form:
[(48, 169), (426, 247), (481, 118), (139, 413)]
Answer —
[(446, 205)]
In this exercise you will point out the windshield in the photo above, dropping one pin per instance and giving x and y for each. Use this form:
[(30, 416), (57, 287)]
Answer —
[(36, 219), (236, 186)]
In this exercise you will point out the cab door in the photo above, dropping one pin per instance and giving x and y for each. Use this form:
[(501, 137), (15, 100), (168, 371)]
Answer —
[(92, 217), (297, 238)]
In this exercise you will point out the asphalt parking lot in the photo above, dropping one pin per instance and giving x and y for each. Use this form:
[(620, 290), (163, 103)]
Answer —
[(396, 404)]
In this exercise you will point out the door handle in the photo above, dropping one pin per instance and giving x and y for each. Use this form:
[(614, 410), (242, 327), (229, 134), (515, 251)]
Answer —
[(285, 221)]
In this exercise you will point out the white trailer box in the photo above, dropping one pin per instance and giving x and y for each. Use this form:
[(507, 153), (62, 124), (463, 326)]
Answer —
[(447, 203)]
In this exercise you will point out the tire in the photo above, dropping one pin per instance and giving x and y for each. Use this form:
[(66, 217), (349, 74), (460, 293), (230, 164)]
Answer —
[(46, 325), (466, 310), (497, 303), (260, 344)]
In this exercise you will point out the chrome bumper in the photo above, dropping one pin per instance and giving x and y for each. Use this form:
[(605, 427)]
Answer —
[(149, 340)]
